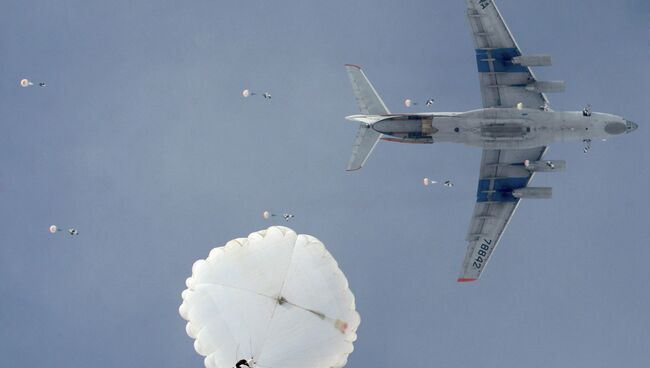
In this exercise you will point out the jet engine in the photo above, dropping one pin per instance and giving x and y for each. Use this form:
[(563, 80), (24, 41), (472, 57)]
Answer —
[(533, 192), (421, 140), (532, 60), (546, 86)]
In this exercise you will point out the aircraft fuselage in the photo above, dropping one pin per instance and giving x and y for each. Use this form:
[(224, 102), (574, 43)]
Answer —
[(497, 128)]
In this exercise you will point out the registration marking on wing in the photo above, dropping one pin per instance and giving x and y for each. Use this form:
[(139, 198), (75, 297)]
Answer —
[(482, 252)]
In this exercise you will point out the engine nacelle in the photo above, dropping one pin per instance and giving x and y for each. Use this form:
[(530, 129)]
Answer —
[(545, 165), (532, 60), (533, 192), (546, 86), (421, 140)]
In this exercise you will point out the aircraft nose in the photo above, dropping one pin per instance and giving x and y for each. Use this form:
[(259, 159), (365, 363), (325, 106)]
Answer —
[(631, 126)]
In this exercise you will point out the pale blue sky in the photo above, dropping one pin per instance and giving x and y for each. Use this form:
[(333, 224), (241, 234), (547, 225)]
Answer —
[(142, 141)]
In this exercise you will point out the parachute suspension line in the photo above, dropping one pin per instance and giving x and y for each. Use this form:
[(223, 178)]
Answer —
[(261, 366), (320, 315), (279, 299), (251, 360), (250, 342), (338, 324), (266, 331), (214, 302)]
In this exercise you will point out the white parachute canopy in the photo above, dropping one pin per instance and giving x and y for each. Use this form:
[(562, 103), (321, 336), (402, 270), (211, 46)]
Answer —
[(246, 93), (275, 299), (266, 215), (25, 83), (408, 102), (427, 182), (54, 229)]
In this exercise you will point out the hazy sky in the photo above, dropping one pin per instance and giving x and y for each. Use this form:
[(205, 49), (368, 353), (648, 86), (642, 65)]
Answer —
[(143, 142)]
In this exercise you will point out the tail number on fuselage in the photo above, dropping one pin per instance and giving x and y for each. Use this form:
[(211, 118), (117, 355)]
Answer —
[(482, 252)]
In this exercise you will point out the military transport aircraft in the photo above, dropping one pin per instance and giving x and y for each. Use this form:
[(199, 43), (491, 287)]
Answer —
[(514, 128)]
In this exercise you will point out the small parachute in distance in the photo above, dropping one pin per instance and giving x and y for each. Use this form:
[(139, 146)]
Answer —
[(276, 280), (247, 93), (408, 102), (446, 183), (286, 216), (427, 182), (71, 231), (27, 83)]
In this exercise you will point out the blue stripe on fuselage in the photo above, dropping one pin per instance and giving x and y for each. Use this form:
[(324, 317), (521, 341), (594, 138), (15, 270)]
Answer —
[(503, 188), (502, 60)]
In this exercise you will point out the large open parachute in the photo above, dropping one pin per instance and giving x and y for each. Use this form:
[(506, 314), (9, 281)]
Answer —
[(275, 299)]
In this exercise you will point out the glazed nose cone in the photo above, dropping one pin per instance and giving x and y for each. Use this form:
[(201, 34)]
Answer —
[(631, 126)]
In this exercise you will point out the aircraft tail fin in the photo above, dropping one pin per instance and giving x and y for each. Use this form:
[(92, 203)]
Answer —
[(369, 104)]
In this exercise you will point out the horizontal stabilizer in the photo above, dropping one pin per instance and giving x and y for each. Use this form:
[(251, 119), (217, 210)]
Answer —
[(364, 143), (369, 104), (367, 97)]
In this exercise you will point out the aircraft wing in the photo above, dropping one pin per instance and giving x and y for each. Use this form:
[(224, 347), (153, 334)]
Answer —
[(502, 171), (503, 82)]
